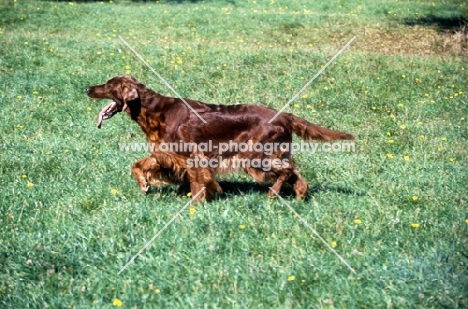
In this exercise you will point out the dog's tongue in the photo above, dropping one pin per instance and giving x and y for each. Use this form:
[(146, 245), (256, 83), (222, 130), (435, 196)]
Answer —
[(104, 113)]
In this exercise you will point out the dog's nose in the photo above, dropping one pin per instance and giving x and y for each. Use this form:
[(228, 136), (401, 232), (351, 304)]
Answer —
[(87, 89)]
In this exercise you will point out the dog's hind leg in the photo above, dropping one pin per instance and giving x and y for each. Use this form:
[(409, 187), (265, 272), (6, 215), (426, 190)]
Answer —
[(283, 176), (299, 184)]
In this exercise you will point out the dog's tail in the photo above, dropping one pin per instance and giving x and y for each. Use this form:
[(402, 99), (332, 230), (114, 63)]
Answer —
[(309, 131)]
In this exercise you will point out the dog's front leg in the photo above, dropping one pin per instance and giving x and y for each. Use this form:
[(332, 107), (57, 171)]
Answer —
[(140, 169)]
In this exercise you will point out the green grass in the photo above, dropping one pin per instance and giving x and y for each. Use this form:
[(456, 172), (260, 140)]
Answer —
[(78, 235)]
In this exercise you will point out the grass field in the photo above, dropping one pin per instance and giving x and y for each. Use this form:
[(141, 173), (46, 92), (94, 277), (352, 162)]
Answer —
[(71, 214)]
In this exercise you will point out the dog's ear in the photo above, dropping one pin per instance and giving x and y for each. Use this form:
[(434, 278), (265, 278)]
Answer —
[(129, 93)]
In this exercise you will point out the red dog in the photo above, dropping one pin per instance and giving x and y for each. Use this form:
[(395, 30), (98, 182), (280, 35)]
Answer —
[(169, 120)]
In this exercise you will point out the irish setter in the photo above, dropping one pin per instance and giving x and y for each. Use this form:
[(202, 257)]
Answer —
[(170, 120)]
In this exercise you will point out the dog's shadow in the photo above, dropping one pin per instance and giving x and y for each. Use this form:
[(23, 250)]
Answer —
[(240, 188)]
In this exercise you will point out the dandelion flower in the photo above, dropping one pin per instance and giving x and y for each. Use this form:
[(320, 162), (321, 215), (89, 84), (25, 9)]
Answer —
[(192, 211), (389, 134), (291, 278), (415, 198), (304, 96), (421, 136), (452, 159), (439, 149), (150, 287), (400, 105), (19, 97), (403, 126), (114, 191), (403, 76), (406, 158), (415, 225), (389, 155), (242, 226), (24, 176), (466, 221), (390, 141), (334, 244), (30, 184), (357, 221), (444, 138), (296, 105), (117, 302), (189, 194), (157, 291), (325, 88)]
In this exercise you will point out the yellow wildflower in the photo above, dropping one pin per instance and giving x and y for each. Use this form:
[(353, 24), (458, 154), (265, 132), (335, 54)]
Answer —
[(117, 302), (291, 278), (357, 221)]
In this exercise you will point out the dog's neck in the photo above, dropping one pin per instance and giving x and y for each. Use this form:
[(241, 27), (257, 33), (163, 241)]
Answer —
[(144, 111)]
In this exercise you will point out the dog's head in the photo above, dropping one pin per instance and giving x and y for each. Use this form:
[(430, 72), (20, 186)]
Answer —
[(121, 89)]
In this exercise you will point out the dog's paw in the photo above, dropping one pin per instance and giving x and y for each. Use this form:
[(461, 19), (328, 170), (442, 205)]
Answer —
[(144, 188)]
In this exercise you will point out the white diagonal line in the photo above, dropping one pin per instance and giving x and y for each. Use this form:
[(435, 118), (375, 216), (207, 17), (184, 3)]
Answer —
[(160, 231), (161, 78), (313, 78), (315, 232)]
